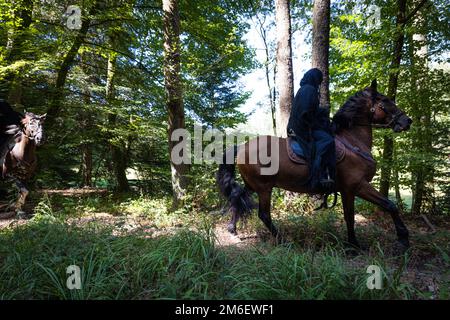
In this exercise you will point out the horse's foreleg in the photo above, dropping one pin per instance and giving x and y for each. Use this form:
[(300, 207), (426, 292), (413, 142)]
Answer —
[(367, 192), (264, 212), (348, 202), (232, 224), (23, 193)]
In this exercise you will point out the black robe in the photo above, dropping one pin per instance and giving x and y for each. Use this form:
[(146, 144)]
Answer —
[(303, 118), (10, 125), (312, 128)]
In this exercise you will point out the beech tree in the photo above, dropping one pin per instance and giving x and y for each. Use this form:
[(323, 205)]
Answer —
[(284, 63), (321, 45), (174, 91)]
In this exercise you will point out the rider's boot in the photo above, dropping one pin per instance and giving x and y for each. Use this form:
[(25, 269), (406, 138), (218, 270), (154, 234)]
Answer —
[(327, 183)]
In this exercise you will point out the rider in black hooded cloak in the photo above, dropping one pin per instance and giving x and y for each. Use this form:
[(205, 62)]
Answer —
[(310, 125)]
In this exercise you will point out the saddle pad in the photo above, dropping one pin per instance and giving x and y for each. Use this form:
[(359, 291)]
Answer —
[(291, 154), (295, 156)]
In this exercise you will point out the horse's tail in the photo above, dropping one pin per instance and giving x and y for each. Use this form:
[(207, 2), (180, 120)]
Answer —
[(238, 197)]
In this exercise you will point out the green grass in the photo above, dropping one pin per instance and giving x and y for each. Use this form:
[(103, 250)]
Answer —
[(188, 264), (156, 210)]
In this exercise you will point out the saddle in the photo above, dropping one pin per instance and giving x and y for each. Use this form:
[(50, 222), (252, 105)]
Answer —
[(295, 151)]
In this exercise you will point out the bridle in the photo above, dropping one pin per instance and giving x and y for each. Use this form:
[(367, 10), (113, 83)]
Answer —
[(373, 109), (390, 124), (34, 133)]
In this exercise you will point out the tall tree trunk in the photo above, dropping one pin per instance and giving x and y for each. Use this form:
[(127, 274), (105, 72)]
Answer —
[(398, 195), (284, 63), (174, 92), (273, 100), (86, 165), (388, 142), (85, 118), (271, 90), (422, 169), (321, 45), (10, 86), (118, 149), (396, 181), (66, 64)]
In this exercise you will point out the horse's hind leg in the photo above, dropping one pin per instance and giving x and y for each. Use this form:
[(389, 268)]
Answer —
[(264, 212), (367, 192), (23, 193)]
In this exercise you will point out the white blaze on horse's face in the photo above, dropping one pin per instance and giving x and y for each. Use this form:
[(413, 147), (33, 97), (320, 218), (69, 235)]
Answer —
[(33, 127)]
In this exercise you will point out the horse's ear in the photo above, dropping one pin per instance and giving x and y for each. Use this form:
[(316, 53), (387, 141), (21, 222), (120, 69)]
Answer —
[(42, 117), (373, 84)]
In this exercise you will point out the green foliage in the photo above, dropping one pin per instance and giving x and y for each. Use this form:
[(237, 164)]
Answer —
[(214, 56), (359, 54), (184, 265)]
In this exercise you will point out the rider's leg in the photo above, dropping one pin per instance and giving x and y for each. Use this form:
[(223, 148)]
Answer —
[(330, 161), (324, 146)]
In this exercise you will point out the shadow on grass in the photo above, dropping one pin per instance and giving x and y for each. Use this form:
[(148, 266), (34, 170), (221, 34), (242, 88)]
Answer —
[(186, 263)]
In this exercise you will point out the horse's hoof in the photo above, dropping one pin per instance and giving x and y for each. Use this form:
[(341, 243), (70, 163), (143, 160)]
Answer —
[(232, 229), (353, 243), (401, 246), (21, 214), (280, 240), (352, 252), (353, 249), (285, 243), (404, 242)]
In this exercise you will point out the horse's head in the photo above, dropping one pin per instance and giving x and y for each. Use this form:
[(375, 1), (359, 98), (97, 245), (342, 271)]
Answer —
[(384, 111), (33, 127)]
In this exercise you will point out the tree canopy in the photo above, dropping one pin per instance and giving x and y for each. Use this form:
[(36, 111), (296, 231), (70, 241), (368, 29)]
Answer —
[(56, 60)]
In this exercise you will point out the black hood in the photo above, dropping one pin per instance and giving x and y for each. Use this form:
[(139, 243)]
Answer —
[(312, 77), (8, 115)]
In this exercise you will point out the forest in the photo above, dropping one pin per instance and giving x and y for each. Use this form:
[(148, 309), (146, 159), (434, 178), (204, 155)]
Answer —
[(108, 84)]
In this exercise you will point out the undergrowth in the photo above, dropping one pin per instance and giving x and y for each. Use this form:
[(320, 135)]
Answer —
[(187, 263)]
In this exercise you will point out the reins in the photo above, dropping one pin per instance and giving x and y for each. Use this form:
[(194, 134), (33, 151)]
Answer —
[(31, 137), (367, 155), (358, 151), (394, 117), (373, 108)]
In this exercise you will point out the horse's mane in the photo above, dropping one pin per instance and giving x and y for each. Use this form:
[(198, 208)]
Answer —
[(346, 114)]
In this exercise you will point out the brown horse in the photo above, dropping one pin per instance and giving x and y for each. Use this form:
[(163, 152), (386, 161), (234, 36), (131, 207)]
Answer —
[(20, 162), (353, 123)]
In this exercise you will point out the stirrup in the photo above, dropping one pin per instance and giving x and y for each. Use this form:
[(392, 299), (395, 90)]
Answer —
[(327, 184)]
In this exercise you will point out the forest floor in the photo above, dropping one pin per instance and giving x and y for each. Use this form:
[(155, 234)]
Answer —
[(123, 240)]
